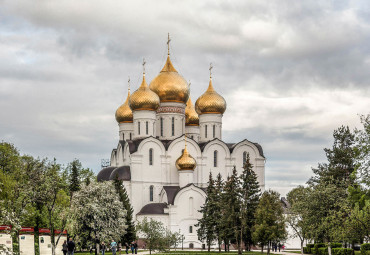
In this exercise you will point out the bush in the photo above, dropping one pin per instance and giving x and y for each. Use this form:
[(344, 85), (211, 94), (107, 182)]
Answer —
[(309, 248), (365, 249), (336, 245), (322, 251), (342, 251), (306, 250), (316, 247)]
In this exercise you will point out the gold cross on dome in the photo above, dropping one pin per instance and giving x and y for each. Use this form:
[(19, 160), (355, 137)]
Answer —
[(168, 44), (210, 70), (144, 65)]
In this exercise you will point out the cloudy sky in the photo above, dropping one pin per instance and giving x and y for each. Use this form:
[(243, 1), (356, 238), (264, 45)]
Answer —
[(290, 71)]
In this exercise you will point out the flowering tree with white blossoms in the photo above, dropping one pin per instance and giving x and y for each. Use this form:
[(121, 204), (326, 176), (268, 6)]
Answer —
[(97, 213)]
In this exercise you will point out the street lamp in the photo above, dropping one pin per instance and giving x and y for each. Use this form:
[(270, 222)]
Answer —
[(182, 240)]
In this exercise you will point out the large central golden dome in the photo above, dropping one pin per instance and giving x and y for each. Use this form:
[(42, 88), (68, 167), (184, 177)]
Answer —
[(185, 161), (191, 116), (143, 98), (124, 112), (210, 102), (169, 85)]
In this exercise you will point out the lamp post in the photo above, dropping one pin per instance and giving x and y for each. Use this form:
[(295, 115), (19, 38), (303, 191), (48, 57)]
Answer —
[(182, 240)]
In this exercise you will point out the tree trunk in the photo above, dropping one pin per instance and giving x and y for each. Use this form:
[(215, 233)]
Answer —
[(268, 248), (150, 251), (329, 248), (302, 241), (261, 248), (209, 246)]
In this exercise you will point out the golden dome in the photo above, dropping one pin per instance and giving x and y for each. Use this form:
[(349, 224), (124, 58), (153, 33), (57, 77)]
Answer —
[(169, 85), (143, 98), (185, 161), (210, 102), (191, 116), (124, 113)]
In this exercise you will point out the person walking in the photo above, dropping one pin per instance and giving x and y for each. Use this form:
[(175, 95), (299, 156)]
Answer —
[(113, 246), (65, 247), (102, 248), (71, 247), (135, 247), (132, 247), (127, 246)]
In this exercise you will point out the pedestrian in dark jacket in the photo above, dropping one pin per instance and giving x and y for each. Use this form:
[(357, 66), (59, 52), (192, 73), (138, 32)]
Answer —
[(65, 247), (103, 248), (71, 247), (127, 246), (135, 247)]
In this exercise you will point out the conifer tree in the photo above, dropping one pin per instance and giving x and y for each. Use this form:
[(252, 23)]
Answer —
[(250, 194), (206, 224), (219, 210), (74, 179), (232, 200), (130, 234)]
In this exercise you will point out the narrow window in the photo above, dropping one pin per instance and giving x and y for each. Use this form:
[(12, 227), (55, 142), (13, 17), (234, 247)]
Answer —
[(191, 206), (214, 131), (150, 157), (161, 126), (130, 136), (192, 137), (205, 130), (173, 126), (244, 157), (190, 229), (147, 127), (138, 127), (151, 191), (123, 136), (215, 159)]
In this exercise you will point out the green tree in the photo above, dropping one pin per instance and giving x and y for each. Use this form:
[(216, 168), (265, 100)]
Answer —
[(154, 234), (362, 149), (270, 223), (130, 234), (220, 210), (206, 225), (341, 160), (250, 195), (232, 220), (297, 199), (74, 169), (97, 214)]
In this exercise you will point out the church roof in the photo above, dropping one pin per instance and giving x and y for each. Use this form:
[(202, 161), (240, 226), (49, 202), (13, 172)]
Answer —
[(153, 208), (171, 192), (104, 174), (123, 173)]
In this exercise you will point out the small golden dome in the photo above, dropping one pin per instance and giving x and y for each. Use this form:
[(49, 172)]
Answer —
[(169, 85), (185, 161), (124, 113), (143, 98), (191, 116), (210, 102)]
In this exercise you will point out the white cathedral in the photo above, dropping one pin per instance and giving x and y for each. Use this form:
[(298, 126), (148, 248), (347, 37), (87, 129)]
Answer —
[(164, 172)]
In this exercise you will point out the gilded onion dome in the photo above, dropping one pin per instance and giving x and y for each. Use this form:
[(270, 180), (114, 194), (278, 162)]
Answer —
[(124, 113), (185, 161), (191, 116), (143, 98), (169, 85), (210, 102)]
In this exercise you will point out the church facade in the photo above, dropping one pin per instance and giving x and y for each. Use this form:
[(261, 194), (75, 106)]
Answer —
[(168, 146)]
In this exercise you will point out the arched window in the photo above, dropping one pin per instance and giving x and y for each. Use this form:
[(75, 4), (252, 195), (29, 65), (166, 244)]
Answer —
[(161, 126), (190, 229), (205, 127), (138, 127), (147, 127), (123, 136), (214, 131), (244, 158), (191, 246), (191, 206), (150, 156), (215, 158), (151, 192), (130, 136), (173, 126)]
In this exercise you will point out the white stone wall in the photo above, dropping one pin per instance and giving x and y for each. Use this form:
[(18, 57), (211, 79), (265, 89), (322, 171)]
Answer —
[(193, 132), (144, 118), (27, 244), (167, 111), (45, 244), (126, 130), (209, 121)]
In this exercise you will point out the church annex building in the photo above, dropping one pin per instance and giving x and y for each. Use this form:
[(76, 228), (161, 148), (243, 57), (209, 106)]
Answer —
[(167, 147)]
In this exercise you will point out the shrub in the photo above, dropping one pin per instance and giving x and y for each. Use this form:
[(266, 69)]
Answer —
[(365, 249), (342, 251), (336, 245), (306, 250), (309, 248), (316, 247), (322, 251)]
